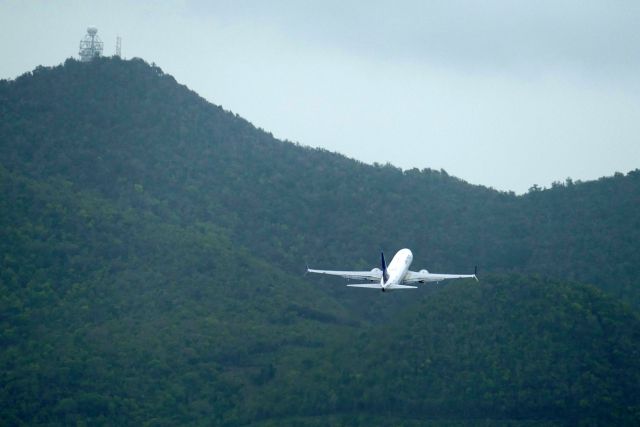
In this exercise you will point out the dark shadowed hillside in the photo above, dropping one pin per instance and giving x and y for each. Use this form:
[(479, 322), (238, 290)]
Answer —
[(153, 246)]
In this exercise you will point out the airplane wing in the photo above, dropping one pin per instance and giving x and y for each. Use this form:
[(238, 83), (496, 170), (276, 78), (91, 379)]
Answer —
[(373, 275), (421, 276)]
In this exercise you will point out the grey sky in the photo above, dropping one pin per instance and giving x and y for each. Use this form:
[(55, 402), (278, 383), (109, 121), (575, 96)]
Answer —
[(500, 93)]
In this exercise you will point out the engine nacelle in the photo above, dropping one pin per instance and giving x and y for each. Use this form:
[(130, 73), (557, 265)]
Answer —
[(424, 271), (376, 271)]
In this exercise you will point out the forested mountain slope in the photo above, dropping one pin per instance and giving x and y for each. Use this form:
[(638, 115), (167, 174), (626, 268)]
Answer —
[(512, 348), (114, 125), (153, 246), (111, 313)]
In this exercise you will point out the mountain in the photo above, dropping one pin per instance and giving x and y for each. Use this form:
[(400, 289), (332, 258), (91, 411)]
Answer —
[(152, 254), (515, 349), (110, 312), (117, 126)]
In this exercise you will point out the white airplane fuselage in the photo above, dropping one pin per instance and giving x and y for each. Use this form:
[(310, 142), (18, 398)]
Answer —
[(397, 269)]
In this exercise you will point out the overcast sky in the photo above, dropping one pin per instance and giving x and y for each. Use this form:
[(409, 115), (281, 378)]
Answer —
[(505, 94)]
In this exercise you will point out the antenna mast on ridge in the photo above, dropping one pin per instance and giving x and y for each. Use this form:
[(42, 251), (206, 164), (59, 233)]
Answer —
[(119, 47), (91, 45)]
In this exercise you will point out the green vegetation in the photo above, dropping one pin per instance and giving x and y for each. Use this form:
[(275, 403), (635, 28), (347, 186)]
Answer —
[(514, 348), (153, 247)]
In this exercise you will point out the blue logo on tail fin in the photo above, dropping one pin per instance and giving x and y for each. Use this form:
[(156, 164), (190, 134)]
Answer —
[(385, 275)]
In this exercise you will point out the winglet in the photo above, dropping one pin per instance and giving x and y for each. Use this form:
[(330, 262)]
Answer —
[(475, 273)]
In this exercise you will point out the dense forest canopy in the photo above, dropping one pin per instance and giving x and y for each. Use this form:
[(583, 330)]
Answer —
[(153, 246)]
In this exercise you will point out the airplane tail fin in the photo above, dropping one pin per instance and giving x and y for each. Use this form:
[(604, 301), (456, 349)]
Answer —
[(385, 275)]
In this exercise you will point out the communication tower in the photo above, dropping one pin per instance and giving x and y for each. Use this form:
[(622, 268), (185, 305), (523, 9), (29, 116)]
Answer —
[(118, 47), (90, 45)]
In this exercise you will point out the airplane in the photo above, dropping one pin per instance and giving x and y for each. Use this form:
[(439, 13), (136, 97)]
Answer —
[(396, 276)]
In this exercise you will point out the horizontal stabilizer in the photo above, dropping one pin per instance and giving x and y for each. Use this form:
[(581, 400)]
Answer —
[(394, 287), (379, 286), (367, 285)]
